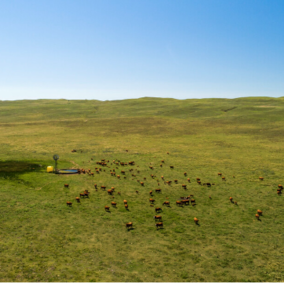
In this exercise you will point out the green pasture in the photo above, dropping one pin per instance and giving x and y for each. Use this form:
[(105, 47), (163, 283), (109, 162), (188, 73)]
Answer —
[(44, 240)]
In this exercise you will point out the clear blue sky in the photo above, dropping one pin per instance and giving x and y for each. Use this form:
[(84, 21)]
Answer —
[(119, 49)]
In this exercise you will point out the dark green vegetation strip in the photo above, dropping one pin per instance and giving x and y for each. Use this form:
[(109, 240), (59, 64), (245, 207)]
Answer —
[(42, 239)]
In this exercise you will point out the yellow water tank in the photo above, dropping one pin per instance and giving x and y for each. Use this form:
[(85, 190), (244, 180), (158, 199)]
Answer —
[(50, 169)]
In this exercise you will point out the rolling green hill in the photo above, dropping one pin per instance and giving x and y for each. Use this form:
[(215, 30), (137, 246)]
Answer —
[(43, 240)]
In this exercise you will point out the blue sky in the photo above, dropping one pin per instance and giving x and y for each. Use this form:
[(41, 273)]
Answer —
[(120, 49)]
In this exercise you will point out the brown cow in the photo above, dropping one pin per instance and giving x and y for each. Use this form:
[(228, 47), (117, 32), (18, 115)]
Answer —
[(176, 181), (161, 165), (113, 203), (142, 183), (107, 208), (231, 199), (192, 201), (86, 194), (160, 224), (185, 174), (69, 203), (259, 212), (66, 185), (151, 192), (197, 179), (118, 176), (125, 201), (185, 201), (184, 186), (257, 216), (78, 199), (103, 187), (109, 191), (158, 190), (162, 177), (95, 185), (196, 220), (82, 194), (158, 217), (158, 209), (178, 203), (280, 186), (171, 167), (126, 206), (166, 203), (223, 178), (219, 174), (260, 178), (152, 200), (128, 225)]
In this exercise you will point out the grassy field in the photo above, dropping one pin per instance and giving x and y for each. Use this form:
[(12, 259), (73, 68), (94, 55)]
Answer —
[(42, 239)]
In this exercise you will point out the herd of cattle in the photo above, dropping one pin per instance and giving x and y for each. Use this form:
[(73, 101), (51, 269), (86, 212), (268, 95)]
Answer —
[(183, 200)]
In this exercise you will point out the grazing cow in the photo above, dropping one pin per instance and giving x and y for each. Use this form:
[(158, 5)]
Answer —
[(280, 186), (159, 225), (152, 200), (126, 206), (185, 201), (137, 191), (113, 203), (125, 201), (97, 171), (118, 176), (192, 201), (151, 167), (196, 220), (158, 190), (231, 199), (142, 183), (123, 172), (126, 150), (176, 181), (131, 163), (197, 179), (86, 194), (106, 208), (208, 184), (219, 174), (161, 165), (162, 177), (168, 153), (91, 174), (144, 178), (223, 178), (178, 203), (169, 182), (162, 161), (158, 217), (109, 191), (184, 186), (129, 225), (171, 167), (166, 203), (151, 192), (82, 194), (259, 212), (210, 197), (78, 199), (95, 185), (279, 192), (73, 151), (257, 216), (188, 179), (158, 209), (260, 178), (69, 203), (66, 185), (103, 187), (236, 203)]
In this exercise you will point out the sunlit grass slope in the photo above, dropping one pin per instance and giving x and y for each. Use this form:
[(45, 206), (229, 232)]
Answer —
[(41, 239)]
